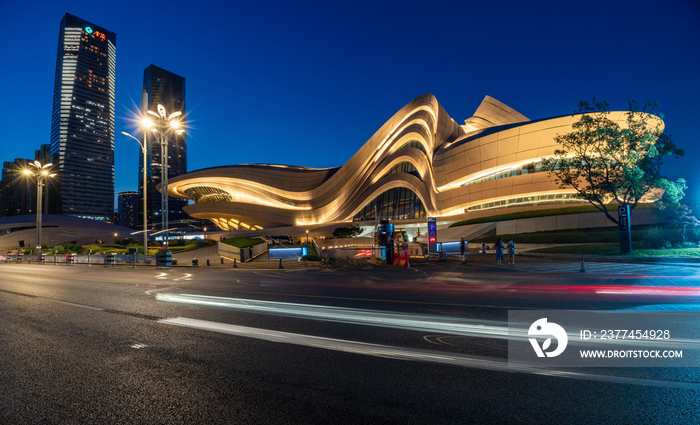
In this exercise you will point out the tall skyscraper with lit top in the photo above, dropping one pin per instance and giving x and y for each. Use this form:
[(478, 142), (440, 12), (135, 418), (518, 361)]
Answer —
[(82, 123), (168, 89)]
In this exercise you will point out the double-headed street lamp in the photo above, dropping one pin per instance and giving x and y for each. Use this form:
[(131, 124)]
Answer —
[(42, 172), (162, 125), (144, 149)]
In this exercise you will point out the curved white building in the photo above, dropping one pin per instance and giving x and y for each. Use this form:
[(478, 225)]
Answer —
[(421, 163)]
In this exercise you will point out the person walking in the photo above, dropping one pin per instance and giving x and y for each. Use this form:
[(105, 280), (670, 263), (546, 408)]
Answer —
[(499, 252), (511, 252)]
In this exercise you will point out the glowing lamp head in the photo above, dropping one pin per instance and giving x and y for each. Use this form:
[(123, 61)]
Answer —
[(27, 172), (147, 123), (174, 124), (44, 172)]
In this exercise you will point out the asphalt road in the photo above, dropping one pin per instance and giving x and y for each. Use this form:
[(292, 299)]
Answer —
[(357, 345)]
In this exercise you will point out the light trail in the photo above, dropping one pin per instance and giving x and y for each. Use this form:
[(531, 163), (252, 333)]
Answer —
[(407, 321), (390, 352), (387, 319)]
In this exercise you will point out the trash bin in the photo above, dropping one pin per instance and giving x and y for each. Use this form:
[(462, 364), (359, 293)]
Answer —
[(70, 259), (110, 260), (164, 259)]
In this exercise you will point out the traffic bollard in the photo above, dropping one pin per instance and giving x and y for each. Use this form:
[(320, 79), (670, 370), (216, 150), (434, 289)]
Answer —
[(281, 264), (234, 263), (207, 262)]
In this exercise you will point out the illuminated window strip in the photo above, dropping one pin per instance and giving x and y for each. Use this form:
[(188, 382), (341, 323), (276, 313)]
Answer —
[(527, 200), (471, 179), (223, 224)]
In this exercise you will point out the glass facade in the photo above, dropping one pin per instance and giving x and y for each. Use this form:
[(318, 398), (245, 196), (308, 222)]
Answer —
[(415, 144), (207, 194), (520, 170), (394, 204), (168, 89), (82, 122), (403, 167), (526, 201)]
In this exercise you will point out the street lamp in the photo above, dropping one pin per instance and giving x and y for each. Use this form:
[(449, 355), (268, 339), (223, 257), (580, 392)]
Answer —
[(307, 237), (41, 174), (144, 149), (164, 124), (205, 232)]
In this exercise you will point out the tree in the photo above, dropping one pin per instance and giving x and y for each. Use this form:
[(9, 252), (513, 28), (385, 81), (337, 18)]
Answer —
[(348, 232), (683, 217), (604, 161)]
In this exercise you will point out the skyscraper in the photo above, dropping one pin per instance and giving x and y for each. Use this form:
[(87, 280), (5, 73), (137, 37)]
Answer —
[(127, 209), (18, 191), (168, 89), (82, 122)]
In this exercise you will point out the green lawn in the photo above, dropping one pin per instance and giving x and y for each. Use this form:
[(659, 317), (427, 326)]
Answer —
[(592, 235), (614, 249), (612, 209)]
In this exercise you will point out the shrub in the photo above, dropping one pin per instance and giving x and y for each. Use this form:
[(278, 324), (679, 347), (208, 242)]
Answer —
[(74, 248), (311, 257), (348, 232), (656, 237)]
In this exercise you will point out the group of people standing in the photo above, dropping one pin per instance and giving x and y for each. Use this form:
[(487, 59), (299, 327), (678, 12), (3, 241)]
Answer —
[(499, 251)]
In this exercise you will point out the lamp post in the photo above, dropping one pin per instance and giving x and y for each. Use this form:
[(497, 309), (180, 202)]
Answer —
[(41, 174), (145, 191), (307, 237), (205, 232), (163, 124)]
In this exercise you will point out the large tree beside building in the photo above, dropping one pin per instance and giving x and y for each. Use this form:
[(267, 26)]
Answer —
[(606, 162)]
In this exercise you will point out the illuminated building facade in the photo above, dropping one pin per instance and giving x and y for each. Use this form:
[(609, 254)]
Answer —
[(421, 163), (82, 123), (168, 89)]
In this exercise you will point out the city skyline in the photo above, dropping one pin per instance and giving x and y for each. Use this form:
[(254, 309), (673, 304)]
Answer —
[(251, 85)]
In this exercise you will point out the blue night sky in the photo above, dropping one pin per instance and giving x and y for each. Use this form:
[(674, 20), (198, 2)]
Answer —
[(308, 83)]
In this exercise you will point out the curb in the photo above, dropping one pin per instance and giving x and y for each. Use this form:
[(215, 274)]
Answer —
[(614, 259)]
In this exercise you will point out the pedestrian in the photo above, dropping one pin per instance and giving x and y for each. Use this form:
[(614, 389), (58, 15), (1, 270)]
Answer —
[(499, 252), (511, 252), (483, 247)]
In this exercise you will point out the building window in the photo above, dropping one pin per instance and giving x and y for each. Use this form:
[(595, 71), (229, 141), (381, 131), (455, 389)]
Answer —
[(394, 204), (526, 201), (403, 167)]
